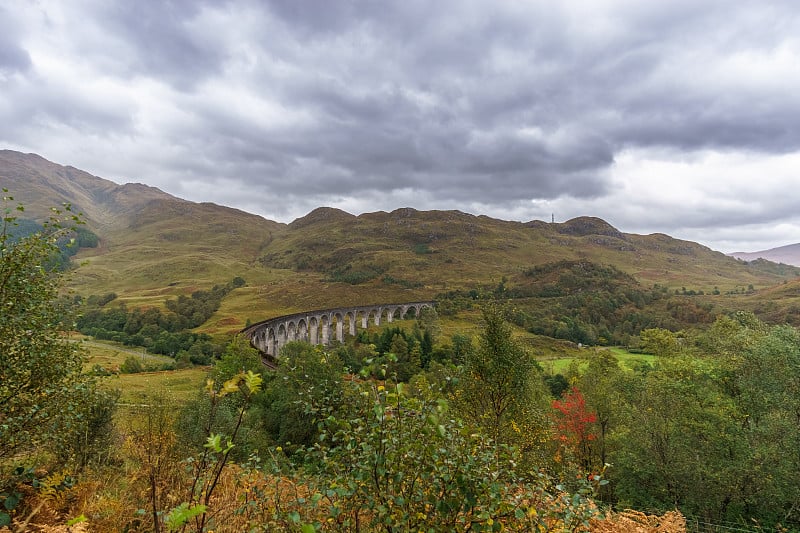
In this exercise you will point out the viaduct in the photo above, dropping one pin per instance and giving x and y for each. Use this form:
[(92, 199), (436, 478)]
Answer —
[(317, 327)]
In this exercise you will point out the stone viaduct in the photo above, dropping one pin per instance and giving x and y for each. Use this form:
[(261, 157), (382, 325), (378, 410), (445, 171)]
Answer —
[(317, 327)]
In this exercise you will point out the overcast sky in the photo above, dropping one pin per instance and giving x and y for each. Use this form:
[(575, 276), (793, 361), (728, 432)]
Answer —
[(680, 116)]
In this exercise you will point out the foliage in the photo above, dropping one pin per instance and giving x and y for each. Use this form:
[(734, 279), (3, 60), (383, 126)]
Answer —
[(398, 464), (574, 422), (131, 365), (500, 390), (192, 424), (306, 375), (150, 441), (707, 433), (405, 353), (584, 302), (659, 341), (356, 275), (46, 403), (208, 468), (42, 389), (67, 244)]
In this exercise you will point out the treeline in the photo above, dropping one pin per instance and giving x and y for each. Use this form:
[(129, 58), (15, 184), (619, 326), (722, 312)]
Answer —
[(713, 428), (161, 332), (586, 303)]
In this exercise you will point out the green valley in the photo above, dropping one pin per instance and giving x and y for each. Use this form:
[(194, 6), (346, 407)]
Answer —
[(570, 370)]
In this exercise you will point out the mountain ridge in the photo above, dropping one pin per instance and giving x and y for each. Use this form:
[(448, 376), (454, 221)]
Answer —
[(153, 244)]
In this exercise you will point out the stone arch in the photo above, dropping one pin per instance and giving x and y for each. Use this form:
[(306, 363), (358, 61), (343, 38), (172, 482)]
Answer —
[(272, 342), (281, 339), (375, 314), (302, 330)]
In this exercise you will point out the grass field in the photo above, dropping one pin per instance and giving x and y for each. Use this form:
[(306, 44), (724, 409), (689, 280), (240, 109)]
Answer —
[(628, 360), (174, 386)]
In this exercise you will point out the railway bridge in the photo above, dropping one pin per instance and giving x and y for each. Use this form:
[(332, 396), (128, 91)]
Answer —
[(322, 326)]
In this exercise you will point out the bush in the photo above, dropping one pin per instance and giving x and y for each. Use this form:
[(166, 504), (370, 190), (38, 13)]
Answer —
[(132, 365)]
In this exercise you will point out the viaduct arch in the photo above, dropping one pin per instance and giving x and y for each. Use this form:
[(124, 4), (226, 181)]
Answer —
[(322, 326)]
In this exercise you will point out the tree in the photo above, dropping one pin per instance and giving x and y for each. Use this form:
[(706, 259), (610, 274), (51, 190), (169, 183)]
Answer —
[(767, 392), (306, 381), (500, 390), (683, 445), (659, 341), (574, 426), (44, 397), (602, 383)]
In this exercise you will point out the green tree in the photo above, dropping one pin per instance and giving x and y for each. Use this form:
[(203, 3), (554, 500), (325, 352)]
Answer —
[(767, 391), (683, 445), (44, 397), (659, 341), (500, 390), (306, 380), (602, 383)]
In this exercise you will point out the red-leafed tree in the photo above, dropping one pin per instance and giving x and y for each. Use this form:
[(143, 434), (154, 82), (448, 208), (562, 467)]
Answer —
[(574, 422)]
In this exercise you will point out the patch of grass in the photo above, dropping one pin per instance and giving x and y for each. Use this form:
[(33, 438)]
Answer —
[(632, 360), (110, 355), (627, 360), (177, 386), (422, 249)]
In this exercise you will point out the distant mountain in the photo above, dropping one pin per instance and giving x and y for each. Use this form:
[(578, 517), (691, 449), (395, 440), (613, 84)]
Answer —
[(789, 255)]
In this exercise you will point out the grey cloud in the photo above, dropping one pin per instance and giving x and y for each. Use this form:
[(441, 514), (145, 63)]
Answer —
[(467, 102), (13, 56), (158, 41), (369, 129)]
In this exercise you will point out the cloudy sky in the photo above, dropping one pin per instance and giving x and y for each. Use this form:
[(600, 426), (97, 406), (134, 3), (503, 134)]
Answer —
[(679, 116)]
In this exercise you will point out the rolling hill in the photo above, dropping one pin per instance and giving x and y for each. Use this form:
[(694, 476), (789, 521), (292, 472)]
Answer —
[(150, 241), (154, 246)]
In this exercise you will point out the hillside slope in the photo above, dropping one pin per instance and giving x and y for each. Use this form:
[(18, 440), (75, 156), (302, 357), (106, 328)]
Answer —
[(149, 240), (153, 245), (40, 184), (441, 250)]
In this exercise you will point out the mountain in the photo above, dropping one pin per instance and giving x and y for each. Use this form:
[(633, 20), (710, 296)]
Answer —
[(449, 249), (153, 246), (149, 240), (40, 184), (789, 254)]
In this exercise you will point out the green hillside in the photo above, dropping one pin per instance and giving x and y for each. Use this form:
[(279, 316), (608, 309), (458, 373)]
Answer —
[(153, 246)]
